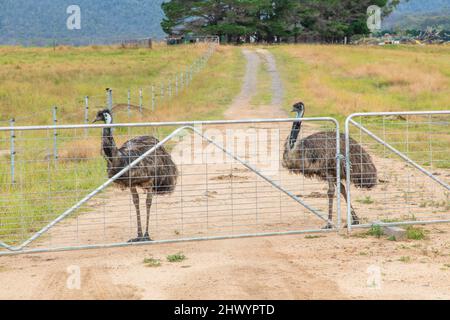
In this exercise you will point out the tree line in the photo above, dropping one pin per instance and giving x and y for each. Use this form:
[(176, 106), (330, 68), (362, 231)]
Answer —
[(270, 20)]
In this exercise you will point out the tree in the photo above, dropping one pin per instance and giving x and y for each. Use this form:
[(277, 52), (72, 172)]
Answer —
[(270, 20)]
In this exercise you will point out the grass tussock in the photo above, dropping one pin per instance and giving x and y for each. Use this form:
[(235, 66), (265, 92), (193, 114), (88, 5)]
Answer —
[(376, 231), (152, 263), (414, 233), (176, 258)]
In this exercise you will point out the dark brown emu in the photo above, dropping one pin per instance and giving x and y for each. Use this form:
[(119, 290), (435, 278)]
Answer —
[(156, 174), (315, 157)]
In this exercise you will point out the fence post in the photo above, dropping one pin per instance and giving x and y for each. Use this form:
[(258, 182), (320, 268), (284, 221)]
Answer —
[(182, 80), (55, 134), (153, 98), (13, 151), (129, 102), (110, 99), (162, 91), (176, 84), (86, 114), (141, 98), (169, 88)]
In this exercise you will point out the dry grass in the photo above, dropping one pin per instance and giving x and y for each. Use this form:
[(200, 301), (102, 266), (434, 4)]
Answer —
[(340, 80), (34, 79), (80, 150)]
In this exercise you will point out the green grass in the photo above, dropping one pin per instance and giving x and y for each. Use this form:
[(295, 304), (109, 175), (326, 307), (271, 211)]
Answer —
[(414, 233), (176, 258), (376, 231), (263, 95)]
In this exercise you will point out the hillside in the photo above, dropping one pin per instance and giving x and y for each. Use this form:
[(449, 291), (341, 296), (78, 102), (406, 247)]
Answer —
[(41, 22), (418, 14)]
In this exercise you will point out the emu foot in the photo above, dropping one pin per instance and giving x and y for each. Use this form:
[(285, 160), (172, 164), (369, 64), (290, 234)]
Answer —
[(329, 226), (356, 221), (145, 238)]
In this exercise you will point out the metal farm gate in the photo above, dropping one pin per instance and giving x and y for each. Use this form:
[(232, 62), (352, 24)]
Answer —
[(412, 153), (55, 193)]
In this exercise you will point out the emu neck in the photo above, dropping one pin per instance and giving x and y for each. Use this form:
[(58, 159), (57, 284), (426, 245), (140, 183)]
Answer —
[(296, 128), (109, 145)]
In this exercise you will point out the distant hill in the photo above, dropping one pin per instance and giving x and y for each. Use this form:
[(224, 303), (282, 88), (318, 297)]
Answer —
[(419, 14), (41, 22)]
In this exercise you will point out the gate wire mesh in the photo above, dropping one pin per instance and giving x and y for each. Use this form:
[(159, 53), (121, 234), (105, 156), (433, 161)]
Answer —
[(411, 151), (47, 170)]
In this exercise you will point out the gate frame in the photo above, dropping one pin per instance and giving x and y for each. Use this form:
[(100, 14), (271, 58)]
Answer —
[(349, 121), (190, 125)]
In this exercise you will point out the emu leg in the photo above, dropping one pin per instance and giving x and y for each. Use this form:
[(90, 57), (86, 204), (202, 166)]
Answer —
[(135, 194), (149, 205), (331, 192), (355, 218)]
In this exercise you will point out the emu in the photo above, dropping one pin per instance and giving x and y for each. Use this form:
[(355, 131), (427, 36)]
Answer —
[(156, 174), (315, 157)]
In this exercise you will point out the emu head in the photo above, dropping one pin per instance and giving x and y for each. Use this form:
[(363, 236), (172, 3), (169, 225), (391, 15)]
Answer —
[(299, 109), (104, 116)]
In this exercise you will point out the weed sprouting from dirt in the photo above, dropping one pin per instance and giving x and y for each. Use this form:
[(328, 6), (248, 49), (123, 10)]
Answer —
[(366, 200), (313, 237), (376, 231), (175, 258), (405, 259), (152, 263), (415, 233)]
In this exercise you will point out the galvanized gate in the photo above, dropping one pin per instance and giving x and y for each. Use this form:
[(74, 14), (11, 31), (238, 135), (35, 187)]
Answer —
[(54, 194), (412, 153)]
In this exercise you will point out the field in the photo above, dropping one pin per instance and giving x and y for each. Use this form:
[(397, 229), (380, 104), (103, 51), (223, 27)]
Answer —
[(34, 80), (337, 80), (248, 82)]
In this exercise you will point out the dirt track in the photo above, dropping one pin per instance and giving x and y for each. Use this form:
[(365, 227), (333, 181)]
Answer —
[(289, 267)]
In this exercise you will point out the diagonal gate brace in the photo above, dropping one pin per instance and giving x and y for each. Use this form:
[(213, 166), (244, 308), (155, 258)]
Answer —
[(69, 211)]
